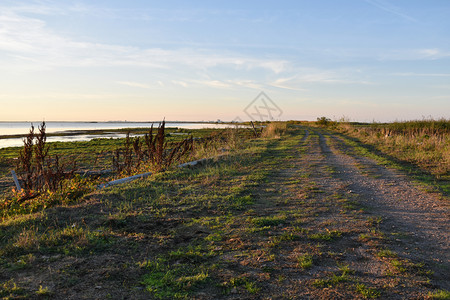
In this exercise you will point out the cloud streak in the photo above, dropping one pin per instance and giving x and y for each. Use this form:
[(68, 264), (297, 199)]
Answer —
[(29, 42), (423, 74), (134, 84), (388, 7)]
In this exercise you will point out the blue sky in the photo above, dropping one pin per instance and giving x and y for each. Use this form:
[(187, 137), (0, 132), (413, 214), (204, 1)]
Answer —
[(367, 60)]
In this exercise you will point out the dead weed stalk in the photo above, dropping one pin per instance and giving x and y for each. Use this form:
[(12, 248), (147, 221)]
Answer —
[(39, 171)]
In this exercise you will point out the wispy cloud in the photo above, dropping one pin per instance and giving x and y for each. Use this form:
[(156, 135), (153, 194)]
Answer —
[(213, 83), (286, 83), (422, 74), (180, 83), (390, 8), (231, 84), (134, 84), (414, 54), (31, 44), (61, 96), (311, 75), (433, 53), (251, 84)]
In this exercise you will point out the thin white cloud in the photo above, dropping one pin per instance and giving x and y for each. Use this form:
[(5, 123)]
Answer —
[(251, 84), (413, 54), (61, 96), (286, 83), (390, 8), (37, 8), (433, 53), (311, 75), (134, 84), (181, 83), (33, 46), (423, 74), (221, 84), (213, 83)]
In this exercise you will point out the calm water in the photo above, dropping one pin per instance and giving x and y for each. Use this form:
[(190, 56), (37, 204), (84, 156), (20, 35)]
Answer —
[(11, 128)]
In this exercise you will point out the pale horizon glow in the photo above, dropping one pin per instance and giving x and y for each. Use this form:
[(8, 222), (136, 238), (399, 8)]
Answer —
[(366, 60)]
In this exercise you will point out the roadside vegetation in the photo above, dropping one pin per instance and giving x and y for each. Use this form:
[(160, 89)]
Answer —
[(260, 221), (420, 148)]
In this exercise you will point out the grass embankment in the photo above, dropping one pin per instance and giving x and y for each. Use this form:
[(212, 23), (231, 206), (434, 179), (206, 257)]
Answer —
[(418, 148), (121, 157), (257, 223)]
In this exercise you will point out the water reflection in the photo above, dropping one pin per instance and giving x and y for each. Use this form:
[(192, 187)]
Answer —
[(17, 142)]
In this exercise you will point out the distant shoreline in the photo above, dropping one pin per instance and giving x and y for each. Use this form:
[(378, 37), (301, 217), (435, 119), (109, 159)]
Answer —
[(124, 122), (13, 132)]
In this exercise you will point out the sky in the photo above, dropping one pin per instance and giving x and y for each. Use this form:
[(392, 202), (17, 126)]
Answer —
[(104, 60)]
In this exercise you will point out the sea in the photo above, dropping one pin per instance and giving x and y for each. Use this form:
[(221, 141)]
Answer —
[(22, 128)]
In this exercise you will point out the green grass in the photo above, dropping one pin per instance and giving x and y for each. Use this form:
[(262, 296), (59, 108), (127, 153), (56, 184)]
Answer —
[(367, 292), (439, 294), (43, 291), (305, 261), (269, 221), (386, 253), (168, 281), (335, 279), (243, 282), (328, 235), (10, 290)]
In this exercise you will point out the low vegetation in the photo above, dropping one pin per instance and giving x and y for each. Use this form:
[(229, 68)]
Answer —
[(420, 148), (47, 178)]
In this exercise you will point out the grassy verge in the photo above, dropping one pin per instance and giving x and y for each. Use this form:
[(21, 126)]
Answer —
[(418, 148)]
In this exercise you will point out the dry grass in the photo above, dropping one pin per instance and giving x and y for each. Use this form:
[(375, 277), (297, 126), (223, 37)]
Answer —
[(274, 130), (424, 143)]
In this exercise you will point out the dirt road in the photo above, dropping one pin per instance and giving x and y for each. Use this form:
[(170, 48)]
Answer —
[(420, 216)]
